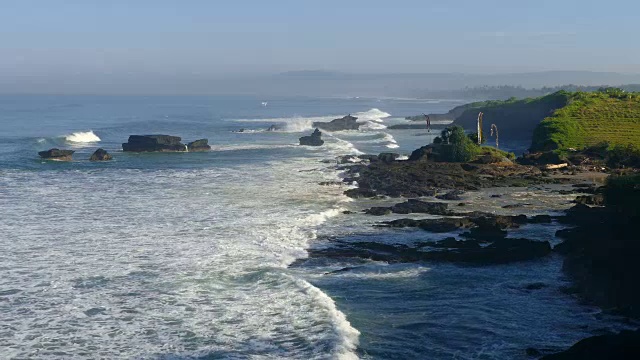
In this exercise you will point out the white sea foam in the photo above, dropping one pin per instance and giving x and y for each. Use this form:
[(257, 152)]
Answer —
[(348, 336), (374, 114), (82, 137), (239, 147)]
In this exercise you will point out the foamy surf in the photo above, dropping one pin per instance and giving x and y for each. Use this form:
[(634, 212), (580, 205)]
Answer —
[(348, 337), (82, 137)]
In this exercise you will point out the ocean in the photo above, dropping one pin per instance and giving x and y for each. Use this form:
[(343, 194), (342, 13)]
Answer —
[(204, 255)]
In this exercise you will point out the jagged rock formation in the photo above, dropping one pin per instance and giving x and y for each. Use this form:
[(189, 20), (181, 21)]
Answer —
[(315, 139), (162, 143), (100, 155), (199, 145), (57, 154), (346, 123)]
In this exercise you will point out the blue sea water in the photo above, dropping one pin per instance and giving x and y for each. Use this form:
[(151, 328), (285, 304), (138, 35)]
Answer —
[(201, 255)]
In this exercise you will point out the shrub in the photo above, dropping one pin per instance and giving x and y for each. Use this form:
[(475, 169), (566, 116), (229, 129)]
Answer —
[(460, 147)]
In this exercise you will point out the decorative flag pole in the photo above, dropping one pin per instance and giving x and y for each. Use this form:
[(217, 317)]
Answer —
[(493, 126), (480, 114)]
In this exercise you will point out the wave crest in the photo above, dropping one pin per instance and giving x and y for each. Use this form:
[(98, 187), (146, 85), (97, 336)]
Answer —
[(82, 137)]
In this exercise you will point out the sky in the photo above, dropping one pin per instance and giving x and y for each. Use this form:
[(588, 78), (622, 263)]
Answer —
[(243, 37)]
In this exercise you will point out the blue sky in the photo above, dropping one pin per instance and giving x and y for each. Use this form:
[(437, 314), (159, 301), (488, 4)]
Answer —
[(251, 36)]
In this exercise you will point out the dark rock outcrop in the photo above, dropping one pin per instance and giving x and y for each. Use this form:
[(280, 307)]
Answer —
[(315, 139), (154, 143), (443, 225), (498, 252), (413, 179), (412, 206), (422, 153), (57, 154), (388, 157), (345, 123), (100, 155), (199, 145), (625, 345)]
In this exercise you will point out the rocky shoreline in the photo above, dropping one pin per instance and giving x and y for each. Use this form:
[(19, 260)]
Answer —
[(596, 243)]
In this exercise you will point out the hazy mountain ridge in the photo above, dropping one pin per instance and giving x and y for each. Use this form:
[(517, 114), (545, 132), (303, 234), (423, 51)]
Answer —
[(296, 83)]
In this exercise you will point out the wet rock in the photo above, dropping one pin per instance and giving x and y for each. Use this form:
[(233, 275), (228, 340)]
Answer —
[(422, 153), (418, 206), (443, 225), (451, 195), (595, 199), (359, 193), (496, 196), (515, 206), (199, 145), (378, 211), (345, 123), (57, 154), (452, 243), (100, 155), (272, 128), (315, 139), (498, 252), (154, 143), (625, 345), (388, 157), (540, 219)]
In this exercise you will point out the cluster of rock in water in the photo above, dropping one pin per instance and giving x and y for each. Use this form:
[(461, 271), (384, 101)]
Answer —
[(345, 123), (135, 143), (168, 143)]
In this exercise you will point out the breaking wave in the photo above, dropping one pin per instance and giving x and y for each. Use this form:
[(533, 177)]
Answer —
[(82, 137)]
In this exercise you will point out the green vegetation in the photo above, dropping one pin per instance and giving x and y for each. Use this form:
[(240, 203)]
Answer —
[(455, 146), (459, 148), (496, 153), (610, 115), (516, 119), (503, 92)]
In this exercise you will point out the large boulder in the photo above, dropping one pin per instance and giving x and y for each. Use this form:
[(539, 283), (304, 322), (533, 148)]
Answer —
[(387, 157), (199, 145), (315, 139), (421, 153), (57, 154), (346, 123), (100, 155), (152, 143)]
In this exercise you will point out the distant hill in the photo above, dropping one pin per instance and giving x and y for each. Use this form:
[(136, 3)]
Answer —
[(561, 120), (302, 83)]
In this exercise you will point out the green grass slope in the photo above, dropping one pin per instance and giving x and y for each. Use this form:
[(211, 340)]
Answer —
[(611, 116)]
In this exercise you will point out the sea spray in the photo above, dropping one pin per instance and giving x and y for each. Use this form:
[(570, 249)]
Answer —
[(82, 137)]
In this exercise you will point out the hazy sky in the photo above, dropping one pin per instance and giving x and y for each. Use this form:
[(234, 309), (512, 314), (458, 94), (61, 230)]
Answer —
[(39, 38)]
